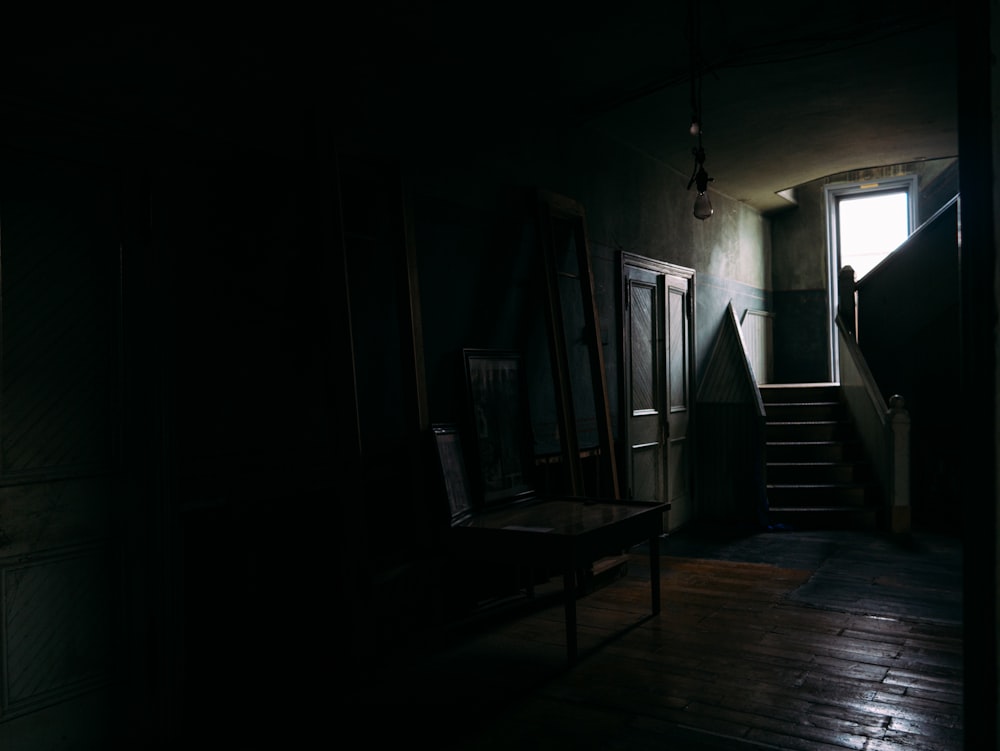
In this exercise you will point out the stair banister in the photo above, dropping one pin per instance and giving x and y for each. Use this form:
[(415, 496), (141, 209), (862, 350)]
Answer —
[(884, 428), (847, 300), (899, 501)]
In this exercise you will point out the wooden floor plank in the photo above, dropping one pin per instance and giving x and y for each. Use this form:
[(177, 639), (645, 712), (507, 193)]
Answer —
[(745, 654)]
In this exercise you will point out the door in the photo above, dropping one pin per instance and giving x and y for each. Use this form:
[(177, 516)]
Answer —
[(658, 301)]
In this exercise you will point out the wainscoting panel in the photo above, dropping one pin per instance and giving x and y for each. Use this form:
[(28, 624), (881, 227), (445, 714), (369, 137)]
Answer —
[(758, 336)]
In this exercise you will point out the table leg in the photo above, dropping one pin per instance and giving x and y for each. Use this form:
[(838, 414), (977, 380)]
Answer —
[(654, 572), (569, 595)]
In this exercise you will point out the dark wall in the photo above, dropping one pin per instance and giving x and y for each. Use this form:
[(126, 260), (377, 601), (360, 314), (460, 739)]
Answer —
[(801, 342)]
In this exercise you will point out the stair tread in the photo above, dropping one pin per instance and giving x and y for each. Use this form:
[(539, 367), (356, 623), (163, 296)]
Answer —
[(824, 509), (821, 442), (825, 405), (800, 385), (844, 484), (817, 463), (808, 422)]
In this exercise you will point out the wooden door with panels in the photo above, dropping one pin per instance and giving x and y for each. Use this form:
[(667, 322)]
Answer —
[(657, 349)]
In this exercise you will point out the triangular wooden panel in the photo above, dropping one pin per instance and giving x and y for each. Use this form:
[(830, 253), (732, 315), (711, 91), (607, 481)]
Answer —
[(728, 376)]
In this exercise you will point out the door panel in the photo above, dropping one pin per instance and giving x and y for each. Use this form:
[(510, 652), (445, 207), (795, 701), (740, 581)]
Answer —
[(644, 348), (678, 391)]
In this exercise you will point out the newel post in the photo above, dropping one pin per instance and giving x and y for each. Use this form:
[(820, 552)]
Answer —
[(899, 446), (847, 301)]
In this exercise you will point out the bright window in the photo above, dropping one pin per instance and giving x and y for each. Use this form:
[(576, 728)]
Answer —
[(871, 227), (869, 221)]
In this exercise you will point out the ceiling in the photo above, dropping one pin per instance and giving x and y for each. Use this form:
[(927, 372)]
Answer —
[(786, 97)]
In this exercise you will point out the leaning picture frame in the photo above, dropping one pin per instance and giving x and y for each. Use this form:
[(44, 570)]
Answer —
[(499, 424)]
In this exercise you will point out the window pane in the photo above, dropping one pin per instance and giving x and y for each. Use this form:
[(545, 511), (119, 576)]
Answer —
[(870, 228)]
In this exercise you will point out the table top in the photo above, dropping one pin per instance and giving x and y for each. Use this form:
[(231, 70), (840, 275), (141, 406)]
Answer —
[(561, 516)]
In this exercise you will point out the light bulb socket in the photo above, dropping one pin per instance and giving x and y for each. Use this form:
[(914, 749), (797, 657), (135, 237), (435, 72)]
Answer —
[(701, 180)]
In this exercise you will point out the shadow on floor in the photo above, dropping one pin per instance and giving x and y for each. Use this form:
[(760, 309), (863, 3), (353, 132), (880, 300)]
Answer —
[(918, 575)]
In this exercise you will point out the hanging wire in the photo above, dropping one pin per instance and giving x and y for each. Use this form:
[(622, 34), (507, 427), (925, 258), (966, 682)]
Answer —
[(694, 43), (699, 175)]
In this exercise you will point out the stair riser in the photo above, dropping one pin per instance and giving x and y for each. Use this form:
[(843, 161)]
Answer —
[(809, 452), (808, 431), (800, 394), (800, 412), (794, 496), (799, 452), (813, 474), (825, 519)]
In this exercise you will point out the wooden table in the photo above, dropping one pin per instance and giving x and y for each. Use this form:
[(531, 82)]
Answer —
[(565, 534)]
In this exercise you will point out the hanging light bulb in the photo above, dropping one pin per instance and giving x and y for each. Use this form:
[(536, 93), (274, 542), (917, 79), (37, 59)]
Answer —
[(703, 207), (700, 179)]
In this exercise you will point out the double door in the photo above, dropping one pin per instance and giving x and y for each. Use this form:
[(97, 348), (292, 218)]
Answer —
[(658, 300)]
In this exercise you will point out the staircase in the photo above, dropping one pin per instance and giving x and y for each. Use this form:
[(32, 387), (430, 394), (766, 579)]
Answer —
[(816, 471)]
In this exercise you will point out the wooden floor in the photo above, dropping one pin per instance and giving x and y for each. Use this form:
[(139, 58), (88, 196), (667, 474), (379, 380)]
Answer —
[(774, 640)]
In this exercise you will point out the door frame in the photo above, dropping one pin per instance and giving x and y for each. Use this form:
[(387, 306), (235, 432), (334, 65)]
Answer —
[(660, 268), (550, 209)]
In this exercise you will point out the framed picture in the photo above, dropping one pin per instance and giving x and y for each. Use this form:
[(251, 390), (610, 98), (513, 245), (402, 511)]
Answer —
[(499, 424), (448, 450)]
